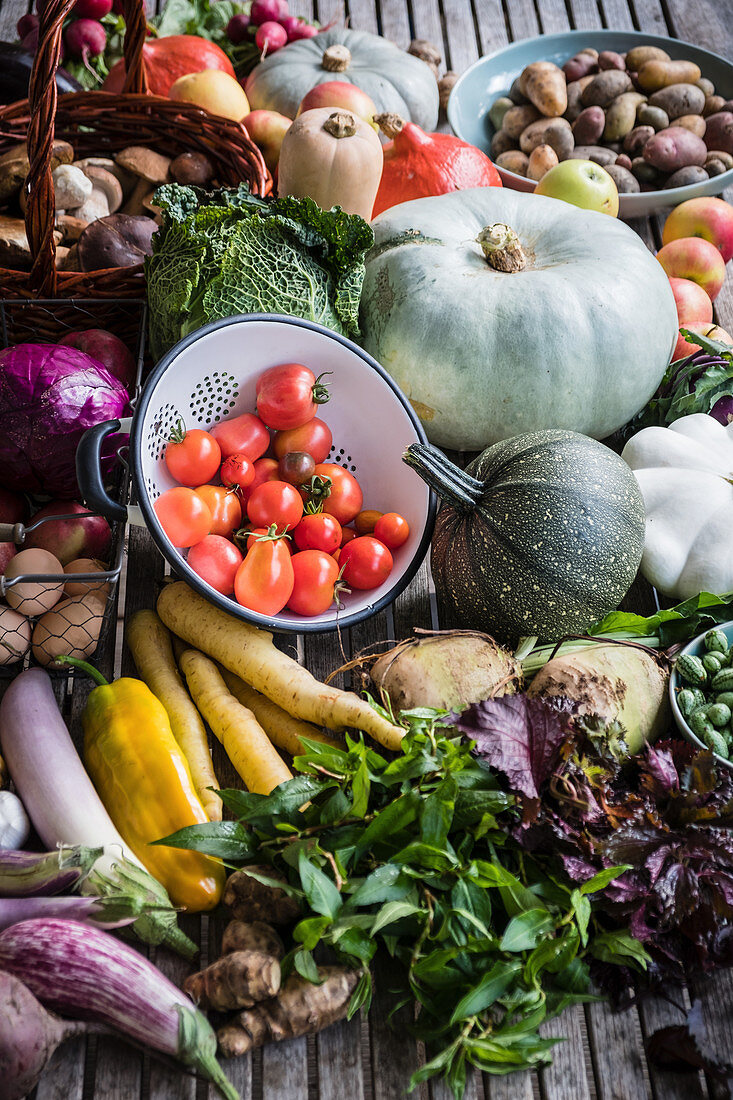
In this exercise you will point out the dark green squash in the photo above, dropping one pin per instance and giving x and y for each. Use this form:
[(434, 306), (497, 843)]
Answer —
[(541, 534)]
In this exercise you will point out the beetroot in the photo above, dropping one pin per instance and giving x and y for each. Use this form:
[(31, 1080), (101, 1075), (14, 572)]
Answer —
[(266, 11), (238, 28), (30, 40), (85, 38), (69, 539), (108, 349), (270, 37), (92, 9)]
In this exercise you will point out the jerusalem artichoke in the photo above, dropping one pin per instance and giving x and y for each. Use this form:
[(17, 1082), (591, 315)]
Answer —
[(238, 980)]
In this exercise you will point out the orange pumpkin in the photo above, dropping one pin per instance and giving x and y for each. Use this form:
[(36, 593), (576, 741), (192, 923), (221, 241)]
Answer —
[(418, 164), (167, 59)]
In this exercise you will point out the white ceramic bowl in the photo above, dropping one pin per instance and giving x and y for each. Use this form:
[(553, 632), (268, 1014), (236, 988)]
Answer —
[(696, 647), (492, 76)]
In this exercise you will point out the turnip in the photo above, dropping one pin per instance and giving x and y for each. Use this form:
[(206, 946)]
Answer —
[(92, 9), (107, 348), (270, 37), (85, 38), (28, 1037), (239, 28), (26, 24), (265, 11)]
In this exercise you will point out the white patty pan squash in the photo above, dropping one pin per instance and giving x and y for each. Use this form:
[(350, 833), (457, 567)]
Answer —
[(684, 474), (397, 82), (578, 338)]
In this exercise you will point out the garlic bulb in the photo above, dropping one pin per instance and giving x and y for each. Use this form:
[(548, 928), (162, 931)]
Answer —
[(14, 824)]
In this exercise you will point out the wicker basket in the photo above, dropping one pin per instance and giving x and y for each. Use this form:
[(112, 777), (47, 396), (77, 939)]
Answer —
[(100, 123)]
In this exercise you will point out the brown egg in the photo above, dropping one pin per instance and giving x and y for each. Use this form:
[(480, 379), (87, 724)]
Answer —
[(15, 636), (70, 629), (34, 597), (87, 588)]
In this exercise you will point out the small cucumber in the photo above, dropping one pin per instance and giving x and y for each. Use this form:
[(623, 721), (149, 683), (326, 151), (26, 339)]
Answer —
[(692, 670), (719, 714), (700, 724), (715, 641), (723, 680), (724, 697), (686, 701), (713, 662), (717, 743)]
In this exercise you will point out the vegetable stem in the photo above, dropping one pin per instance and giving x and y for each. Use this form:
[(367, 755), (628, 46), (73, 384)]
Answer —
[(85, 666)]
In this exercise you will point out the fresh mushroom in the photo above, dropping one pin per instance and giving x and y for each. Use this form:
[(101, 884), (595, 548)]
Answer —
[(70, 226), (126, 179), (14, 166), (71, 187), (15, 251), (93, 207), (121, 240), (107, 183), (150, 168), (192, 168)]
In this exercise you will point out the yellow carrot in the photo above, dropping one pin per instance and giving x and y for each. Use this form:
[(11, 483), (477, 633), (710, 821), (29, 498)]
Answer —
[(245, 742), (250, 653), (282, 729), (150, 645)]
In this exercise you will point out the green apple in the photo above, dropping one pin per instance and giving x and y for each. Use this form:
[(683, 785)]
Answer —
[(582, 183)]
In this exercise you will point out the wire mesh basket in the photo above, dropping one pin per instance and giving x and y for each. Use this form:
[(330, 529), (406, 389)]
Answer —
[(77, 623)]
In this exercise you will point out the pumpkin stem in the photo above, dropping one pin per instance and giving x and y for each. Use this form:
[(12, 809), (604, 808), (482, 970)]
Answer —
[(340, 124), (390, 124), (448, 480), (500, 245), (336, 58)]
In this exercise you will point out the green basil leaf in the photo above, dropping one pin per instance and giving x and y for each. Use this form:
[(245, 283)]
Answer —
[(393, 911), (308, 932), (391, 821), (305, 965), (385, 883), (525, 930), (582, 910), (602, 879), (618, 946), (226, 840), (488, 990), (362, 995), (321, 893)]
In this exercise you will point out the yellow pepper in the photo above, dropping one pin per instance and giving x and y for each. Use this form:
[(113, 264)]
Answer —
[(144, 781)]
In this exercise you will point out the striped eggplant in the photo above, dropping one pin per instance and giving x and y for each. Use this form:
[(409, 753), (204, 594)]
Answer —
[(28, 874)]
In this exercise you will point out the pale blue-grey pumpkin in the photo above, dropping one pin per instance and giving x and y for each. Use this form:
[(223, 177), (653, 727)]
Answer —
[(579, 338)]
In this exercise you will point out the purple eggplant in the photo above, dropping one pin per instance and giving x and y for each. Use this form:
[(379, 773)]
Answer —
[(101, 912)]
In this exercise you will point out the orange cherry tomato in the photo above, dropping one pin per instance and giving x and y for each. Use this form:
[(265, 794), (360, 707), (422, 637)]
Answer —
[(364, 521), (366, 562), (192, 457), (226, 511), (265, 579), (347, 534), (392, 529), (183, 516)]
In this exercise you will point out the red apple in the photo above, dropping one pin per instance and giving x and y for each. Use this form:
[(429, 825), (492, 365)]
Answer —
[(708, 218), (696, 259), (107, 349), (691, 300), (267, 130), (339, 93), (683, 348), (69, 539)]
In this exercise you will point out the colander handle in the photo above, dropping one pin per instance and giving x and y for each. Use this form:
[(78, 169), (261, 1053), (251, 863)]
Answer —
[(89, 474)]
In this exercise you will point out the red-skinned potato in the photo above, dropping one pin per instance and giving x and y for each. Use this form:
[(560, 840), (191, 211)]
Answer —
[(696, 259), (267, 130), (709, 218), (719, 131), (675, 148)]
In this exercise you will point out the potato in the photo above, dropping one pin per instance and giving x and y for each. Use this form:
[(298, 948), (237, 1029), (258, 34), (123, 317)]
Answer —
[(589, 125), (595, 153), (544, 85), (100, 589), (713, 104), (706, 86), (518, 119), (541, 160), (714, 166), (15, 636), (34, 597), (575, 91), (679, 99), (719, 131), (604, 88), (693, 173), (609, 59), (639, 55), (498, 109), (652, 116), (555, 132), (623, 160), (590, 50), (501, 143), (674, 148), (514, 161), (654, 75), (515, 95), (636, 139), (718, 154), (694, 123), (621, 115), (626, 183), (580, 65), (645, 172), (71, 629)]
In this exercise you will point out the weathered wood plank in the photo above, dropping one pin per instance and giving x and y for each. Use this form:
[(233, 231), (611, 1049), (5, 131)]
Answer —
[(285, 1070), (395, 21), (567, 1076), (585, 15), (656, 1013), (523, 20), (553, 16), (617, 1053), (394, 1053), (64, 1076), (492, 30), (515, 1086), (617, 15), (707, 24), (460, 37)]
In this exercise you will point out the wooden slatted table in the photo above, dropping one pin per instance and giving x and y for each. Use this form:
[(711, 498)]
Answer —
[(367, 1059)]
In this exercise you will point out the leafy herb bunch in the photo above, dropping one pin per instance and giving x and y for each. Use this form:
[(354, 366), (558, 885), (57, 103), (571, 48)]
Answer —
[(408, 854)]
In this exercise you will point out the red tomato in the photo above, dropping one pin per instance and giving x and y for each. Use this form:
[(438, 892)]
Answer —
[(245, 433), (216, 560), (347, 534), (318, 532), (183, 516), (366, 562), (315, 574), (288, 396), (342, 498), (275, 502), (314, 438), (237, 470), (265, 470), (265, 578), (392, 529), (364, 521), (247, 537), (226, 511), (192, 457)]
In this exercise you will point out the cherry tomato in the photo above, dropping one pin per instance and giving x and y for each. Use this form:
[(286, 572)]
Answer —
[(296, 467), (226, 511), (347, 534), (275, 502), (364, 521), (183, 516), (392, 529), (237, 470), (216, 560), (314, 438), (265, 470), (245, 433), (288, 396), (265, 579), (192, 457), (315, 574), (341, 498), (318, 532), (366, 562)]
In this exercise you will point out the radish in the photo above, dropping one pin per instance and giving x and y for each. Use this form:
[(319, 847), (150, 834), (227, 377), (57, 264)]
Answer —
[(92, 9), (299, 29), (266, 11), (28, 1037), (270, 37), (26, 24), (239, 28), (85, 38)]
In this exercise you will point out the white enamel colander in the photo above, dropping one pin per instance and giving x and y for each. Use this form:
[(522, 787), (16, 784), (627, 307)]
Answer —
[(210, 376)]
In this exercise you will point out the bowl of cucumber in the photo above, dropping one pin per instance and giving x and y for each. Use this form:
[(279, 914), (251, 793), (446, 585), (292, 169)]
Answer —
[(701, 692)]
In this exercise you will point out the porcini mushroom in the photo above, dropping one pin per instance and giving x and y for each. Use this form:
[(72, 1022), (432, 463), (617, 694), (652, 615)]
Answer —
[(14, 165), (150, 168), (71, 187), (120, 240)]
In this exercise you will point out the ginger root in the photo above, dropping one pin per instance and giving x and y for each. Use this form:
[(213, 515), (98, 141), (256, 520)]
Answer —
[(300, 1008), (250, 900), (241, 935), (238, 980)]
